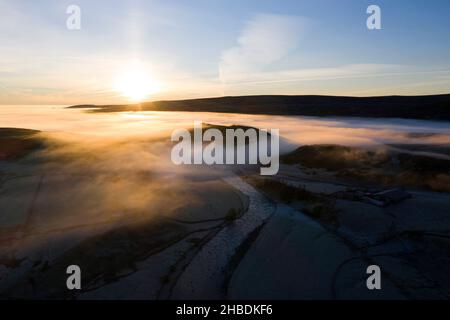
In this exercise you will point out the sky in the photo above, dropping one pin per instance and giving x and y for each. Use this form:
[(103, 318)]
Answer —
[(171, 49)]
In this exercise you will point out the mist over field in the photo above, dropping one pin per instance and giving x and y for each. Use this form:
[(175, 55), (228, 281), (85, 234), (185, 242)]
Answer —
[(152, 124)]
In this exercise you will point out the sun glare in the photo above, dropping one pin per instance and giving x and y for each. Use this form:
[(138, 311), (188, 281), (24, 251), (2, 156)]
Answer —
[(136, 85)]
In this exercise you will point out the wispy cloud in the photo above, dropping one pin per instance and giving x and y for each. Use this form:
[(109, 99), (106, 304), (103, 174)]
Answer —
[(265, 39), (326, 73)]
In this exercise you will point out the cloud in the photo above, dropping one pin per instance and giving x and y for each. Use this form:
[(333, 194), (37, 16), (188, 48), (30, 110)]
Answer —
[(258, 64), (265, 39), (325, 73)]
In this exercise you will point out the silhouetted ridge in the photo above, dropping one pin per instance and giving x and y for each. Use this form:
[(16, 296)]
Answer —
[(436, 107)]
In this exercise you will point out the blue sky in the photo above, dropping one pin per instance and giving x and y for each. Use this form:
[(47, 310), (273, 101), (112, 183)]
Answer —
[(221, 47)]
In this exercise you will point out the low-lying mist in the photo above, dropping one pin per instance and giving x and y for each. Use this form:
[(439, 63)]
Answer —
[(98, 166), (298, 130)]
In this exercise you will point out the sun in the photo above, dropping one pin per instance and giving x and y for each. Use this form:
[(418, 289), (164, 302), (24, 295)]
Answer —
[(136, 84)]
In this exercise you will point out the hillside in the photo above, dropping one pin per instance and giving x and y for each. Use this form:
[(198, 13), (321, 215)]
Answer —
[(435, 107)]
